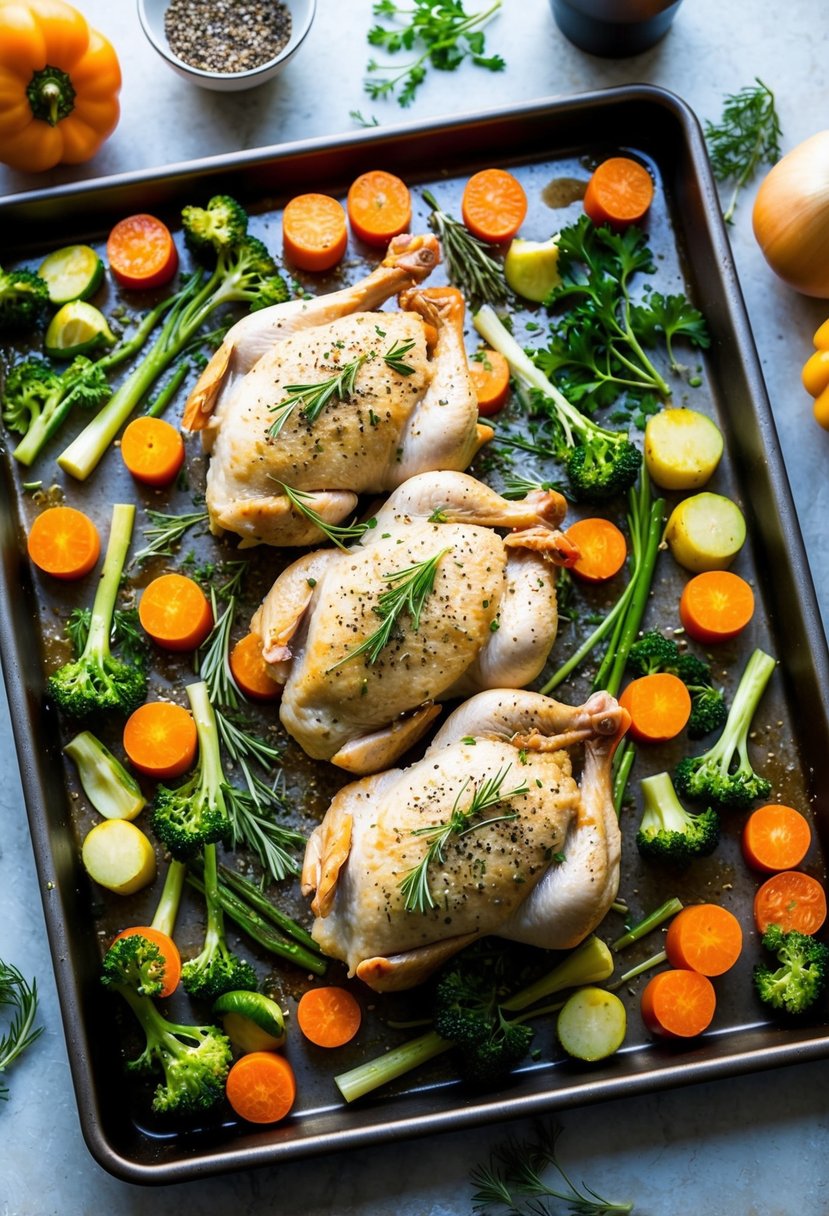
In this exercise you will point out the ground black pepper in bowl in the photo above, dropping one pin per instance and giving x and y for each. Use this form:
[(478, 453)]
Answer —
[(227, 35)]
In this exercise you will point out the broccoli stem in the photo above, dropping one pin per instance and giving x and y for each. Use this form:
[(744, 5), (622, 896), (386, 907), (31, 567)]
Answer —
[(395, 1063), (214, 935), (648, 923), (210, 759), (109, 787), (103, 606), (168, 905), (660, 805), (734, 737), (168, 391)]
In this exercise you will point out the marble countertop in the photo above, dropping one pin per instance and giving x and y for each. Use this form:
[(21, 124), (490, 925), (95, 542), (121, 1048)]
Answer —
[(756, 1145)]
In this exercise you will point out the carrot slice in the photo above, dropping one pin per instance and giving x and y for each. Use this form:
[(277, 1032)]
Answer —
[(261, 1087), (775, 838), (152, 450), (160, 739), (659, 706), (175, 612), (678, 1004), (489, 373), (328, 1017), (619, 192), (715, 606), (64, 542), (169, 952), (251, 672), (493, 205), (602, 546), (792, 900), (704, 938), (314, 233), (141, 252), (379, 207)]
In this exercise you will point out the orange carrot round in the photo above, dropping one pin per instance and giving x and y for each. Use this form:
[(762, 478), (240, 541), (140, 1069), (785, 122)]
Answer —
[(175, 612), (261, 1087), (152, 450), (379, 207), (659, 706), (715, 606), (314, 233), (251, 672), (328, 1017), (776, 837), (602, 546), (493, 205), (619, 192), (168, 950), (792, 900), (64, 542), (678, 1004), (141, 252), (704, 938), (489, 372), (160, 739)]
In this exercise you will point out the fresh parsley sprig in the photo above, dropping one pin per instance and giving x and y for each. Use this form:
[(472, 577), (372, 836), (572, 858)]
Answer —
[(407, 592), (313, 398), (469, 263), (338, 534), (19, 997), (747, 135), (441, 30), (414, 886)]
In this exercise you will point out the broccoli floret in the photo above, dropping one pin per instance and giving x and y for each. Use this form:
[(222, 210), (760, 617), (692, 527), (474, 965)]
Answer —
[(216, 969), (24, 299), (27, 388), (692, 670), (670, 834), (195, 1060), (195, 813), (495, 1054), (222, 223), (36, 399), (98, 681), (653, 653), (713, 776), (603, 465), (802, 975), (468, 1013), (249, 274), (708, 711)]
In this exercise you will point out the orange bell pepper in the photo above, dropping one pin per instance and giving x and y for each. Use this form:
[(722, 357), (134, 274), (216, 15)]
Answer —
[(59, 84)]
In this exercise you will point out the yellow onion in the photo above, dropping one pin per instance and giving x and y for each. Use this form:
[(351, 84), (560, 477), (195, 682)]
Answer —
[(791, 217)]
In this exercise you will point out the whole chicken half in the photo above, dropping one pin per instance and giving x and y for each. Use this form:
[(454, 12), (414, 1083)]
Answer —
[(487, 620), (310, 403), (488, 834)]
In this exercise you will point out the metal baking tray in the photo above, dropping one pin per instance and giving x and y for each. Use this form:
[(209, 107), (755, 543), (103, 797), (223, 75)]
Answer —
[(544, 142)]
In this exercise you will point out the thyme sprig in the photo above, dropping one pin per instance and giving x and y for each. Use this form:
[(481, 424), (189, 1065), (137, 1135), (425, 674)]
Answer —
[(469, 263), (313, 398), (414, 886), (747, 135), (407, 592), (338, 534), (20, 998), (165, 531)]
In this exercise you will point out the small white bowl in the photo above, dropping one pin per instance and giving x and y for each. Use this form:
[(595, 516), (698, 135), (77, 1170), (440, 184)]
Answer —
[(151, 15)]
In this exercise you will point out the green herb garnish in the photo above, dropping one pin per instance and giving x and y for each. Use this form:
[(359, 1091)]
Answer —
[(747, 135), (338, 534), (313, 398), (469, 263), (165, 531), (19, 997), (394, 357)]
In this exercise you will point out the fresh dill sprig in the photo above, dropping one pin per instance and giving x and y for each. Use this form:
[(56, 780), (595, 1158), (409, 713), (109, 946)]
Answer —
[(394, 357), (407, 592), (313, 398), (747, 135), (414, 886), (338, 534), (19, 997), (165, 531), (126, 633), (514, 1175), (361, 120), (469, 263)]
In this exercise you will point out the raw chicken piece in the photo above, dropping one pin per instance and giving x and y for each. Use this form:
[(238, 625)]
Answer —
[(391, 420), (489, 621), (541, 866)]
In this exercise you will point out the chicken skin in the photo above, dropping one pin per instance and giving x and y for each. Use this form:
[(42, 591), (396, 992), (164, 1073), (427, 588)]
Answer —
[(489, 620), (523, 851), (402, 402)]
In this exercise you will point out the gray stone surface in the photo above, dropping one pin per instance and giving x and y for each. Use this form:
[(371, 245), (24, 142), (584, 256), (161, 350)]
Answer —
[(751, 1146)]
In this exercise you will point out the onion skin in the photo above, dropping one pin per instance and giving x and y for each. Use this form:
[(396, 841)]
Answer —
[(791, 217)]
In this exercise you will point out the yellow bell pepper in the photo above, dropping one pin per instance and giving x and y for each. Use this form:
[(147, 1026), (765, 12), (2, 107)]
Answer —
[(59, 84)]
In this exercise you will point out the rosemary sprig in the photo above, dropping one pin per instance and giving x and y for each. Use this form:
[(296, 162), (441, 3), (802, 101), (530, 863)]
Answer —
[(469, 263), (394, 357), (747, 135), (517, 486), (165, 531), (414, 886), (515, 1173), (413, 586), (251, 825), (338, 534), (20, 998), (313, 398)]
